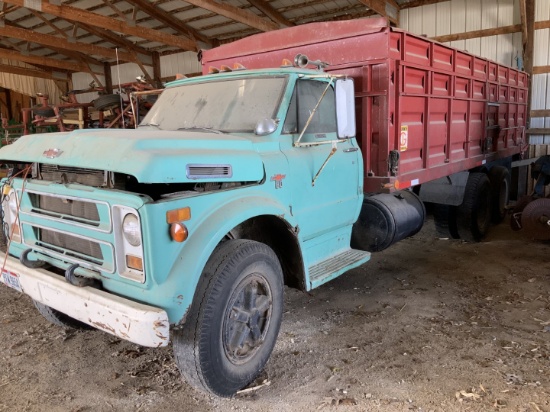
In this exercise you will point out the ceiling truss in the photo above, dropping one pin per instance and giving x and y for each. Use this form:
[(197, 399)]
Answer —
[(64, 36)]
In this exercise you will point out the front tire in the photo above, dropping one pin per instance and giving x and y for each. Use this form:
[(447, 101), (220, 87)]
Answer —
[(234, 320)]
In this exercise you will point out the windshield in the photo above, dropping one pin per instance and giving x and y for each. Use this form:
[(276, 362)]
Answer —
[(230, 105)]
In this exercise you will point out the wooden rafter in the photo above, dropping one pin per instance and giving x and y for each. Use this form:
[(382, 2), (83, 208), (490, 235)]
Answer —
[(23, 71), (83, 16), (541, 69), (117, 40), (418, 3), (270, 12), (516, 28), (235, 13), (167, 18), (57, 42), (43, 61), (385, 8)]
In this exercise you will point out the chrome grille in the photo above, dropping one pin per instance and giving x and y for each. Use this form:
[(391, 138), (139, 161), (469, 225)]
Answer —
[(68, 207), (82, 247)]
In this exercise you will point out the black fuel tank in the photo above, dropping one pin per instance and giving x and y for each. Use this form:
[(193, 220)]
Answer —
[(386, 219)]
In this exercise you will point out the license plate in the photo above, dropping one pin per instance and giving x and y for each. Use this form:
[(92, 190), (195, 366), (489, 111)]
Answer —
[(12, 280)]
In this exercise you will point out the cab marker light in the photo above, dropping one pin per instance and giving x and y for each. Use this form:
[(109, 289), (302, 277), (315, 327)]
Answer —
[(178, 215)]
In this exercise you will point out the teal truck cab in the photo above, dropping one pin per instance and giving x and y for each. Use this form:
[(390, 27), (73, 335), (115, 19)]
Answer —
[(187, 227), (244, 180)]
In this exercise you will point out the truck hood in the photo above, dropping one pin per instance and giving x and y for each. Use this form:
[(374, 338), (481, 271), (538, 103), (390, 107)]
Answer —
[(150, 155)]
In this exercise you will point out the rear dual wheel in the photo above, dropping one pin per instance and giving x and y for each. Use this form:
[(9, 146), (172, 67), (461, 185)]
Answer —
[(474, 214), (471, 219), (234, 321)]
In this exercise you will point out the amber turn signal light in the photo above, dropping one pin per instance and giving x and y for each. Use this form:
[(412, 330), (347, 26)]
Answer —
[(178, 215), (178, 232), (134, 262)]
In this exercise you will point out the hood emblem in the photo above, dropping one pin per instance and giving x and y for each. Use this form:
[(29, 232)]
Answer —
[(52, 153)]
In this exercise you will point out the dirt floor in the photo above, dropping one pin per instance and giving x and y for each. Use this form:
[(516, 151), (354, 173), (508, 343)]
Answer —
[(428, 325)]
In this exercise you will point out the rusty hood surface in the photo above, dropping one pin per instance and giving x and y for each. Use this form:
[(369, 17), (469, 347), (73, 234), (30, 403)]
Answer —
[(151, 156)]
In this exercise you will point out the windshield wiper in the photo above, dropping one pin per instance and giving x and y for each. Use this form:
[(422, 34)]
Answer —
[(150, 124), (208, 129)]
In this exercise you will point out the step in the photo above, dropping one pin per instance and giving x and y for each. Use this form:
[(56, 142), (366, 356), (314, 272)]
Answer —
[(334, 266)]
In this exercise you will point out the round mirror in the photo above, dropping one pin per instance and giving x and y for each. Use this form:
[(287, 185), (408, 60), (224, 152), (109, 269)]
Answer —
[(265, 127)]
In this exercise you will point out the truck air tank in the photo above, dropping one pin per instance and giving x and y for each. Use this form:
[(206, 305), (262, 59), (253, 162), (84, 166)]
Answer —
[(386, 219)]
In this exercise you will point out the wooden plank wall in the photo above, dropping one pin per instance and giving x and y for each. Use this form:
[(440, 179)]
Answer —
[(536, 150)]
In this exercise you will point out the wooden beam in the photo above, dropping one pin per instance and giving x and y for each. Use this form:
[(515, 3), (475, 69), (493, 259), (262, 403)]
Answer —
[(529, 41), (539, 25), (117, 40), (383, 8), (108, 23), (523, 21), (478, 33), (53, 41), (418, 3), (541, 69), (43, 61), (540, 113), (22, 71), (270, 12), (538, 131), (233, 13), (156, 70), (164, 17)]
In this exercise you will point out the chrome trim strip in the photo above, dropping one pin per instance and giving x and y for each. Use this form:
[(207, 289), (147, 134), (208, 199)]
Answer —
[(208, 166)]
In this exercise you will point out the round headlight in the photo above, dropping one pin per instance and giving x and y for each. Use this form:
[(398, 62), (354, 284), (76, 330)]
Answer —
[(131, 229)]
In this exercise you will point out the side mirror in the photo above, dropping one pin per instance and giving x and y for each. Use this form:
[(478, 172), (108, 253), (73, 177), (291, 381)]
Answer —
[(345, 108), (265, 127)]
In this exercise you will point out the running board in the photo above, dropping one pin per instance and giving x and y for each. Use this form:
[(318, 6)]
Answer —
[(334, 266)]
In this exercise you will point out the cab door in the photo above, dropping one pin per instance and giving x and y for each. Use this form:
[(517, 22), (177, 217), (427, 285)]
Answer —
[(325, 188)]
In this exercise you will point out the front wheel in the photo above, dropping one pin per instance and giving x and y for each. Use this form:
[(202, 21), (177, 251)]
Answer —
[(234, 320)]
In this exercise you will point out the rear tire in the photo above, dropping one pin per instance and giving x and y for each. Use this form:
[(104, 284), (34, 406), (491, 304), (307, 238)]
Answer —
[(500, 192), (108, 101), (234, 320), (44, 111), (58, 318), (474, 214), (445, 221)]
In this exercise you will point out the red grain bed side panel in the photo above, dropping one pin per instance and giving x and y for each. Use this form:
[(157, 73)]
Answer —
[(440, 109)]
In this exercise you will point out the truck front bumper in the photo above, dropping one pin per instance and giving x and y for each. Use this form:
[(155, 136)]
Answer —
[(126, 319)]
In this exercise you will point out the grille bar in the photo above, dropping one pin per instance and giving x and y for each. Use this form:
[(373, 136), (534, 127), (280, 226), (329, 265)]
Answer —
[(65, 241)]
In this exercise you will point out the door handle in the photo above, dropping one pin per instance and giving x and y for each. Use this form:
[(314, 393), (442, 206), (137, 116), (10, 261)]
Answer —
[(351, 149)]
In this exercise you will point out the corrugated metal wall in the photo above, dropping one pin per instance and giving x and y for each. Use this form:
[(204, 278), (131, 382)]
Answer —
[(458, 16), (28, 85)]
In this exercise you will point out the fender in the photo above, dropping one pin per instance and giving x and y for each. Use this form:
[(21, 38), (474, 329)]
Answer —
[(187, 269)]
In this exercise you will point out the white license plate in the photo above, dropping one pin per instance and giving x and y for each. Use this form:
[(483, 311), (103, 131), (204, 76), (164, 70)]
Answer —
[(12, 280)]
